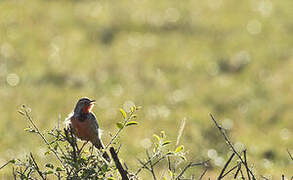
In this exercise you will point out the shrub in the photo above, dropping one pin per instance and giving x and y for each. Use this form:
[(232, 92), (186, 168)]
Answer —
[(74, 162)]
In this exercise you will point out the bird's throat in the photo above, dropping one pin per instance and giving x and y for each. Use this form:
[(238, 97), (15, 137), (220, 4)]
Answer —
[(87, 109)]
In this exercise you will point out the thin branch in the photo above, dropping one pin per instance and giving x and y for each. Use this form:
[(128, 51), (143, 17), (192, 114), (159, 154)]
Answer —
[(5, 164), (120, 129), (228, 172), (13, 173), (265, 178), (71, 142), (238, 170), (202, 175), (160, 159), (169, 164), (37, 167), (226, 165), (29, 118), (242, 176), (246, 165), (151, 166), (232, 147), (290, 154), (145, 164), (191, 164), (119, 166)]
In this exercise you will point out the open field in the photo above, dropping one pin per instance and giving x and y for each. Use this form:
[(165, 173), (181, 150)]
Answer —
[(177, 59)]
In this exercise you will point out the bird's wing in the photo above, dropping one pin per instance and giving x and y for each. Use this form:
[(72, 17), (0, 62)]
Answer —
[(97, 132), (94, 124)]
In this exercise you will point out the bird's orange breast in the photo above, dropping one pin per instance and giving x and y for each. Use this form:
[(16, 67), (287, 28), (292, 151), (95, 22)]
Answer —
[(81, 129)]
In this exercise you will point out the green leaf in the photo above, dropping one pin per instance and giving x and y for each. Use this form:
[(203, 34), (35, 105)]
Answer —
[(179, 148), (104, 168), (111, 178), (49, 172), (157, 137), (119, 125), (165, 143), (170, 173), (123, 113), (170, 153), (12, 161), (32, 131), (164, 178), (133, 116), (27, 129), (49, 166), (183, 157), (20, 112), (133, 108), (130, 123), (59, 169)]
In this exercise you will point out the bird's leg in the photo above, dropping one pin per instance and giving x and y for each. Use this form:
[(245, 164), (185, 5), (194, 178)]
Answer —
[(82, 146)]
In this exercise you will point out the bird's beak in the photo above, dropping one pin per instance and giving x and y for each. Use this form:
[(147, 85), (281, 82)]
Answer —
[(92, 101)]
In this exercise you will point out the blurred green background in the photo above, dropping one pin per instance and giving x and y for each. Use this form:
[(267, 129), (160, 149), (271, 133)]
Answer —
[(177, 59)]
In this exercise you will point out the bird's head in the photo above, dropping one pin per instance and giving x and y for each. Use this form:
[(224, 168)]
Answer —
[(84, 105)]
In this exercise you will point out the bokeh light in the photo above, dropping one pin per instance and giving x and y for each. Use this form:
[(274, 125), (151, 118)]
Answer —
[(254, 27), (12, 79)]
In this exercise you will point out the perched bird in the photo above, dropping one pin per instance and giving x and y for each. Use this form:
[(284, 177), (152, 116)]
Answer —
[(84, 124)]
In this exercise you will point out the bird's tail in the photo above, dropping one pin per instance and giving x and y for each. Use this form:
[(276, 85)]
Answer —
[(99, 145)]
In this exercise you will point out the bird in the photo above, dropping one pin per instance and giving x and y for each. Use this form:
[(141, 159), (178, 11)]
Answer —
[(84, 124)]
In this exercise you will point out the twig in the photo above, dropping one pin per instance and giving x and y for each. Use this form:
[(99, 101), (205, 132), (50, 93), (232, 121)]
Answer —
[(246, 165), (204, 172), (226, 165), (29, 118), (232, 147), (71, 142), (151, 166), (160, 159), (191, 164), (37, 167), (145, 164), (238, 170), (264, 177), (13, 173), (242, 176), (5, 164), (290, 154), (230, 171), (169, 163), (120, 129), (119, 166)]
